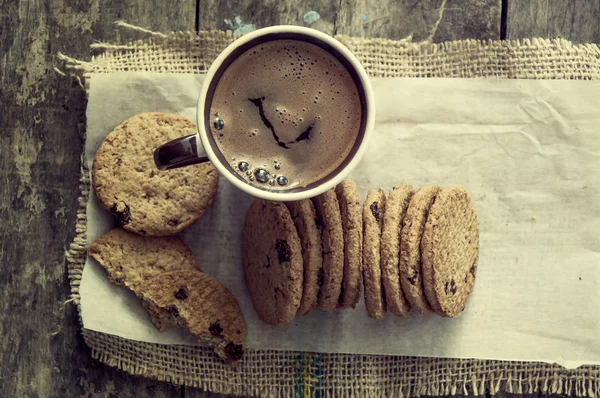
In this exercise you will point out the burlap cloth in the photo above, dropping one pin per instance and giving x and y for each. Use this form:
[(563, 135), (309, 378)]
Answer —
[(287, 373)]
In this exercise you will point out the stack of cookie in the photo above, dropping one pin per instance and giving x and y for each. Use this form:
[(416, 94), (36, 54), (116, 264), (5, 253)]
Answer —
[(429, 250), (150, 205), (410, 251)]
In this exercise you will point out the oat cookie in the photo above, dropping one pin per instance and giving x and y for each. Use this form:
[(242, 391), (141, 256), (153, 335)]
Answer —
[(450, 251), (373, 210), (329, 216), (410, 247), (393, 219), (132, 260), (304, 216), (201, 304), (272, 261), (351, 213), (142, 198)]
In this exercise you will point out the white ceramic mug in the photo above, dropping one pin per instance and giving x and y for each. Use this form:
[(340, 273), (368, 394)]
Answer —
[(201, 147)]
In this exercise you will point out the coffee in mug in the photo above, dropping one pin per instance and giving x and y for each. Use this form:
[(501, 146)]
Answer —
[(286, 114)]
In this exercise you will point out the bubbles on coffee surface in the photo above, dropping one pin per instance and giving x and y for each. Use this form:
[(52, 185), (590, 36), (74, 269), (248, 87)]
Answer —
[(281, 180), (218, 123), (243, 166), (261, 175)]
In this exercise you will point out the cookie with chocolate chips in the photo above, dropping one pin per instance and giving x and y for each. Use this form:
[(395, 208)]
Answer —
[(351, 212), (201, 304), (373, 210), (411, 277), (309, 232), (330, 218), (450, 251), (393, 220), (272, 261), (132, 260), (142, 198)]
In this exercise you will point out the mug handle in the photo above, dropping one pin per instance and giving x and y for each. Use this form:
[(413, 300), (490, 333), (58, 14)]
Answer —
[(181, 152)]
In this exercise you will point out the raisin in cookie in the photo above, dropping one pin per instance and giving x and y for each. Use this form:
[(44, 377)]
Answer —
[(350, 209), (201, 304), (330, 218), (373, 210), (450, 251), (272, 261), (393, 219), (410, 247), (142, 198)]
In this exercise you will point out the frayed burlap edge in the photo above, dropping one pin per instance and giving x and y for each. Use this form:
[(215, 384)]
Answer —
[(188, 52), (283, 373)]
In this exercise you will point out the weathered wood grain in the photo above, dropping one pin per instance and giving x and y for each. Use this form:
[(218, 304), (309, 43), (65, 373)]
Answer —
[(42, 123), (434, 20), (575, 20), (437, 20), (156, 15), (245, 15)]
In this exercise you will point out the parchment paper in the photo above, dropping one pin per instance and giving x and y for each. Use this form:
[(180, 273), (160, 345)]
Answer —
[(527, 150)]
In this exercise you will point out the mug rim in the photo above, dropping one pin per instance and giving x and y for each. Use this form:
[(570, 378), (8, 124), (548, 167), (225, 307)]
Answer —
[(285, 195)]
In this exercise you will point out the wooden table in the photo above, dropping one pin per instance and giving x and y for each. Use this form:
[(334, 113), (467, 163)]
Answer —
[(42, 123)]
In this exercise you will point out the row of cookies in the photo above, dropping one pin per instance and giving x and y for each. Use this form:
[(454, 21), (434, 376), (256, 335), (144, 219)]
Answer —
[(421, 250), (293, 254), (321, 252), (164, 274)]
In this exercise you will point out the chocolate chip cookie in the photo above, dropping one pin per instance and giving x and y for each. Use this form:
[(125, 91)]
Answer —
[(201, 304), (373, 210), (330, 219), (351, 213), (410, 247), (132, 260), (393, 219), (450, 251), (142, 198), (304, 216), (272, 261)]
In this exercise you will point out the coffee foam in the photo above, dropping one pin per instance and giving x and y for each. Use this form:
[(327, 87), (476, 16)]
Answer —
[(289, 107)]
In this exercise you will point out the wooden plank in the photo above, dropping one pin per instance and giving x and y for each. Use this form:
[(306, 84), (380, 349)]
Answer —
[(242, 16), (434, 20), (41, 128), (439, 20), (575, 20), (156, 15)]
